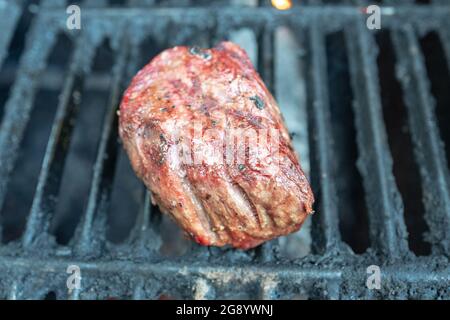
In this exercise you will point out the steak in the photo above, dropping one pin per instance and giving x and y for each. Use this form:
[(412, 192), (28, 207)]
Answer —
[(208, 140)]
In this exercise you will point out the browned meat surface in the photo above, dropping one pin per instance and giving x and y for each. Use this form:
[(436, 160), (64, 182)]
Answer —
[(188, 122)]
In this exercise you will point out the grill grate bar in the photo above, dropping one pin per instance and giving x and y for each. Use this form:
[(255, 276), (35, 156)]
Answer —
[(138, 292), (306, 276), (19, 105), (145, 233), (9, 16), (58, 144), (143, 220), (96, 3), (428, 149), (440, 2), (202, 290), (387, 227), (326, 221), (266, 56), (74, 294), (106, 157), (12, 294), (444, 34), (247, 15), (53, 3)]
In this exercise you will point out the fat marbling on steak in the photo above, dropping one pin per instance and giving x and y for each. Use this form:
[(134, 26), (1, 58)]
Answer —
[(179, 123)]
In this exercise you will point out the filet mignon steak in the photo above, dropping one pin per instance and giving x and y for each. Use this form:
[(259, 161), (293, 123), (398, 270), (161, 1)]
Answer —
[(208, 140)]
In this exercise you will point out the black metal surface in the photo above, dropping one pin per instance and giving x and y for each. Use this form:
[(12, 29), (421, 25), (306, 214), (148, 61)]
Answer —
[(327, 236), (387, 228), (429, 147), (36, 264)]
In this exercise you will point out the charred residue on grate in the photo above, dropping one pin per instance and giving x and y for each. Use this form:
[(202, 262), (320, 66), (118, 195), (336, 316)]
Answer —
[(438, 71), (352, 209), (77, 174), (10, 57), (24, 178), (428, 145), (405, 167)]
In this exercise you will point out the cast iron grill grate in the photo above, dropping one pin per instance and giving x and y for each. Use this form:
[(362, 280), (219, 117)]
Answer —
[(34, 265)]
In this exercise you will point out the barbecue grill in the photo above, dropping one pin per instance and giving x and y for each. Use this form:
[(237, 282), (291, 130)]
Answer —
[(377, 121)]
